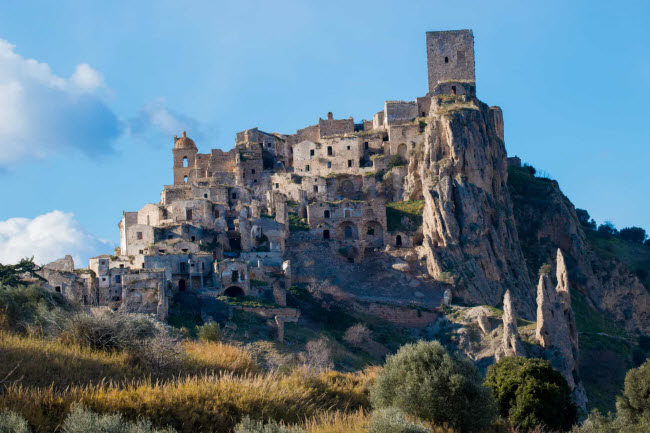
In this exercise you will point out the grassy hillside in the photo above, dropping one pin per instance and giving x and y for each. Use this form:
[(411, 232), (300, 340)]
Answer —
[(607, 352), (635, 256)]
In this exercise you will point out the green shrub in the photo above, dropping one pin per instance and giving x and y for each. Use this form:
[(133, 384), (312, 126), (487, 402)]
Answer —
[(11, 422), (13, 275), (597, 423), (531, 393), (249, 426), (82, 420), (392, 420), (32, 309), (209, 332), (422, 379), (633, 407)]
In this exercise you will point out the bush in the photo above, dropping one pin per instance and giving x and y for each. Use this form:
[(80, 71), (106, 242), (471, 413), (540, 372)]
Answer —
[(82, 420), (318, 355), (11, 422), (597, 423), (422, 379), (531, 393), (110, 331), (249, 426), (392, 420), (585, 219), (32, 309), (209, 332), (607, 229), (161, 356), (13, 275), (357, 334), (633, 234), (545, 269), (633, 407)]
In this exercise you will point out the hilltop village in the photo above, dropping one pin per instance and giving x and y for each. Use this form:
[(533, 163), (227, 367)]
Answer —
[(224, 227), (393, 217)]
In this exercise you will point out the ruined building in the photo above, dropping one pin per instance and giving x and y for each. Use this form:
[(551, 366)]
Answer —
[(222, 227)]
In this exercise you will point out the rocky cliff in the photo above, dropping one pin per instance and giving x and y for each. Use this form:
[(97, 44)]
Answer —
[(546, 220), (470, 236)]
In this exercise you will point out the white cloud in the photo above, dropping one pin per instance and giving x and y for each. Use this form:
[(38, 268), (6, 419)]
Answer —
[(156, 121), (49, 237), (86, 78), (42, 114)]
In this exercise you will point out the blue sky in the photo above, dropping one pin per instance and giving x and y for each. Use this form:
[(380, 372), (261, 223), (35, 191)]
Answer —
[(86, 126)]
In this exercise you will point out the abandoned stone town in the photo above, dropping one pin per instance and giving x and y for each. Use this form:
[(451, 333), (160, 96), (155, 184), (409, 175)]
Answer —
[(398, 214), (224, 227)]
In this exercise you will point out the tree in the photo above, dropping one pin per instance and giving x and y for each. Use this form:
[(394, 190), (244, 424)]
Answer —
[(607, 229), (633, 234), (585, 219), (531, 393), (633, 407), (530, 169), (424, 380), (13, 275)]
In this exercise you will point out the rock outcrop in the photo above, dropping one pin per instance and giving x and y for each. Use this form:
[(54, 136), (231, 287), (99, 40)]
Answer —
[(557, 332), (470, 236), (511, 342), (546, 220)]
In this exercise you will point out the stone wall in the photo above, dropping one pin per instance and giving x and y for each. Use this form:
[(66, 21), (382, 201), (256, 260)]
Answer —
[(310, 133), (143, 291), (497, 122), (331, 126), (378, 120), (403, 138), (450, 57), (399, 112), (349, 220), (330, 155), (233, 274), (171, 193), (424, 106)]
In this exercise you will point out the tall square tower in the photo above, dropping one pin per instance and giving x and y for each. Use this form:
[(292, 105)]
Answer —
[(450, 58)]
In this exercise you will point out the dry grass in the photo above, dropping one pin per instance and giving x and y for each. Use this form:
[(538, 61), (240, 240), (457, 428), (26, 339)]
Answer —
[(196, 404), (217, 386), (45, 363), (338, 422), (215, 357)]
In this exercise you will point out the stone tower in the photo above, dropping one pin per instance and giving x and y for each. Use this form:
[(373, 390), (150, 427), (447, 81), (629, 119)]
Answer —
[(450, 61), (184, 159)]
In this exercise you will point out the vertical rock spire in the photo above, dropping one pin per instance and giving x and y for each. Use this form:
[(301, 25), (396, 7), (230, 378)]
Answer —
[(556, 331), (511, 343)]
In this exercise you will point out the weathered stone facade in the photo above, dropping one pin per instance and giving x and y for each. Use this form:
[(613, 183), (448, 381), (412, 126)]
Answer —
[(450, 59)]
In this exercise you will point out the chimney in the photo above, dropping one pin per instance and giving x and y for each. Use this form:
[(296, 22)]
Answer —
[(330, 116), (175, 138), (184, 134)]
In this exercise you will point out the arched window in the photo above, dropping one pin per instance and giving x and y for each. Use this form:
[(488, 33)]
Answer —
[(185, 179), (348, 232), (185, 162)]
